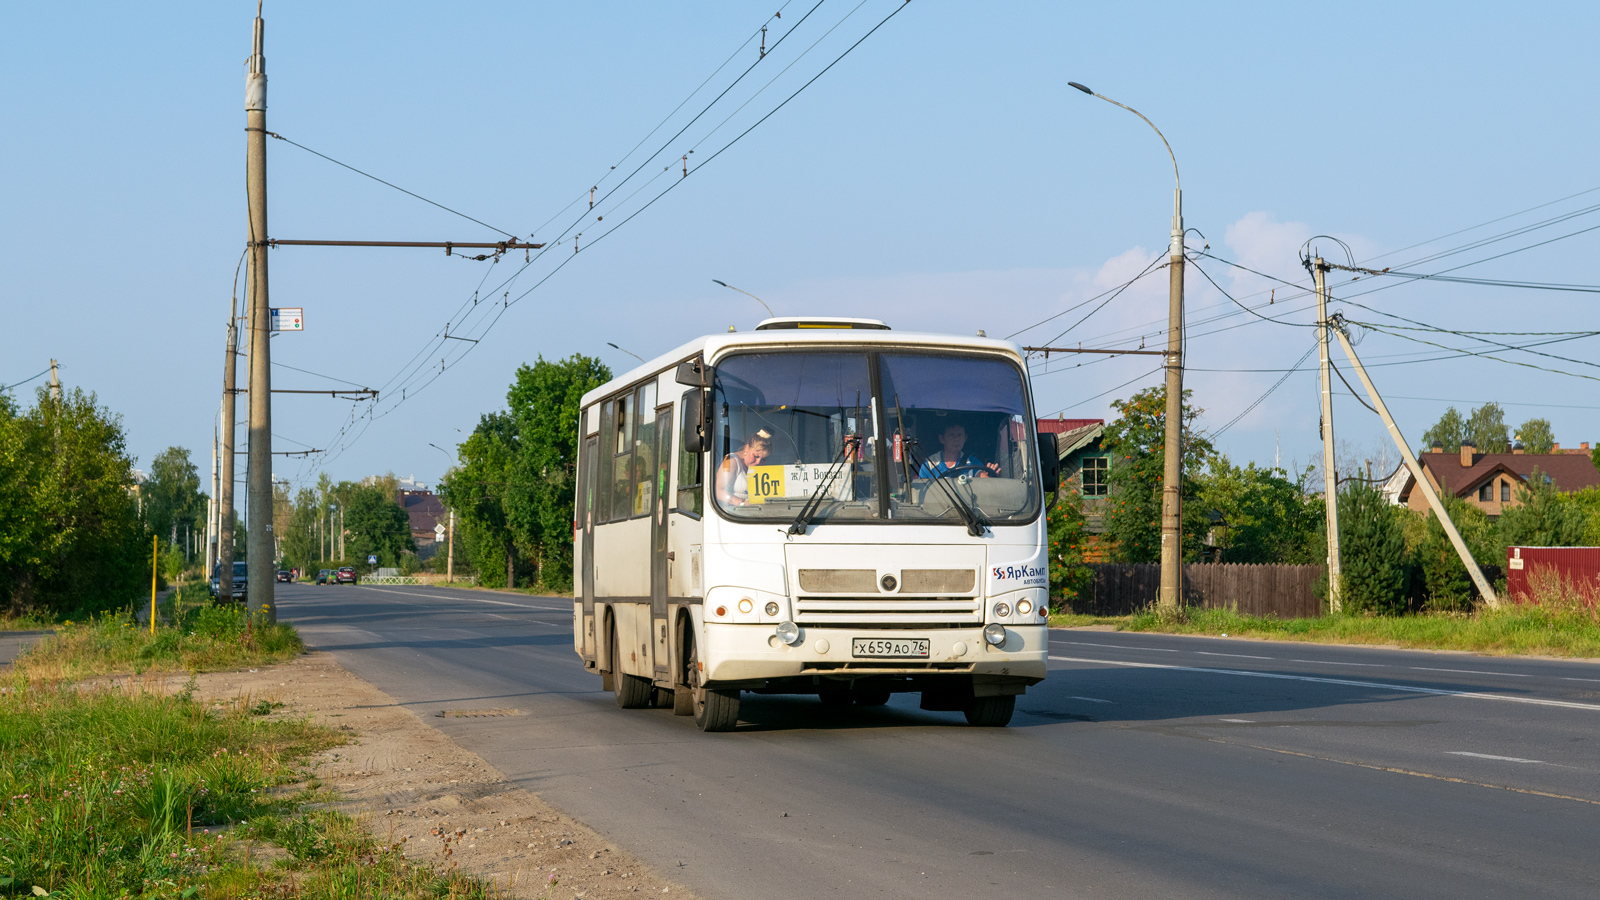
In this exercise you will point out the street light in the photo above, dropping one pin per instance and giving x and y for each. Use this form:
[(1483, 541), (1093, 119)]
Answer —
[(1172, 474), (748, 294), (442, 450), (629, 352)]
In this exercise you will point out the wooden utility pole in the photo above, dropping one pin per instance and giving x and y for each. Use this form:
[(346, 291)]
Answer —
[(1330, 475), (259, 555), (1482, 583)]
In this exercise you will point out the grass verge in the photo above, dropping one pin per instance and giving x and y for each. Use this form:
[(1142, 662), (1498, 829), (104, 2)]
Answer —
[(1514, 630)]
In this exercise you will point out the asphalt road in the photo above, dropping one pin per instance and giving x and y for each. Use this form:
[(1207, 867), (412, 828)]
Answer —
[(1145, 766)]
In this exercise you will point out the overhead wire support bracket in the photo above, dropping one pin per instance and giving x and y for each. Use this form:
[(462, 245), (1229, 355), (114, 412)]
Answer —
[(1049, 350), (499, 247), (349, 393)]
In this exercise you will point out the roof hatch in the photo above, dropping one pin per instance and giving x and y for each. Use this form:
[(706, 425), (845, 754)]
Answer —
[(775, 324)]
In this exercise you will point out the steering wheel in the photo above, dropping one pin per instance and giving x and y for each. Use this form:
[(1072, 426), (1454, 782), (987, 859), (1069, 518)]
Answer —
[(970, 467)]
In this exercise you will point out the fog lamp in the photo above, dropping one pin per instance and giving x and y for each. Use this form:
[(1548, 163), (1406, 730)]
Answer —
[(994, 633), (789, 633), (771, 608), (1002, 610), (1024, 607)]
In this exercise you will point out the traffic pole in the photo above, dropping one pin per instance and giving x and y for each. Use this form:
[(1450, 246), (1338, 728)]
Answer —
[(155, 564), (258, 555)]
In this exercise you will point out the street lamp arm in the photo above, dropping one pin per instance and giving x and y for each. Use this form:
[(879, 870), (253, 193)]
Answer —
[(1170, 155), (748, 294)]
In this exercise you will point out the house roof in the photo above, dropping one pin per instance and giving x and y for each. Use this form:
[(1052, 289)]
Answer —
[(1062, 426), (1568, 471), (423, 508)]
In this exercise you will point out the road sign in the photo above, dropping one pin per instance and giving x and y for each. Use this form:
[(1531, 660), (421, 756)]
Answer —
[(372, 559), (438, 529), (288, 318)]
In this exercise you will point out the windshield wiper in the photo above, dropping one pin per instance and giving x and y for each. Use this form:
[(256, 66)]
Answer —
[(814, 502), (976, 523)]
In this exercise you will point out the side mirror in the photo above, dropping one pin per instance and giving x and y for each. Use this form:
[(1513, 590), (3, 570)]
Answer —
[(692, 373), (694, 428), (1049, 465)]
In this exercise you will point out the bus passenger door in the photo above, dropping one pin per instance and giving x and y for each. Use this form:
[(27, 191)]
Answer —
[(659, 627), (588, 466)]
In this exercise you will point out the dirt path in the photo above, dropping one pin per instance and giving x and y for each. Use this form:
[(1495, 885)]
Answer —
[(411, 782)]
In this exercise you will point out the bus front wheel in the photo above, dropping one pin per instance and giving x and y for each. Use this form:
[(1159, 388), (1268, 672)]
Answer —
[(714, 709), (991, 712)]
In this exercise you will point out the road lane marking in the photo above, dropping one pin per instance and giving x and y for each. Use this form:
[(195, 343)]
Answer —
[(1329, 662), (1114, 646), (1237, 655), (1090, 699), (1240, 721), (1412, 689), (472, 600), (1469, 671), (1515, 759)]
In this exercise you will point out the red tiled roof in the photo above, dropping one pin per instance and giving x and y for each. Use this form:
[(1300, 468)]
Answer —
[(1062, 426), (1569, 471), (424, 509)]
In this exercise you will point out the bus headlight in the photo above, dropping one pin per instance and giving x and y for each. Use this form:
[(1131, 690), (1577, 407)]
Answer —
[(1024, 607), (1002, 610), (994, 633), (771, 608), (789, 633)]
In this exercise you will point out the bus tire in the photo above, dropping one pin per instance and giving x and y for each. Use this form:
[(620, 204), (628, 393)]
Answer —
[(872, 698), (836, 699), (632, 692), (991, 712), (714, 709)]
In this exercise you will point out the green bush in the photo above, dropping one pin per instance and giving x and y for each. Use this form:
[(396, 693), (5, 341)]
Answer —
[(1070, 577), (1372, 552)]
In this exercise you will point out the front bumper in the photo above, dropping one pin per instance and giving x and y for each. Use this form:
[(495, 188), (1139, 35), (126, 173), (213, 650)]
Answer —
[(746, 653)]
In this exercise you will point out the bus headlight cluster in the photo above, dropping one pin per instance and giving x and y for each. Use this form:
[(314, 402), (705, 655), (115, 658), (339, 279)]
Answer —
[(994, 633), (771, 608), (1024, 607), (789, 633), (1002, 610)]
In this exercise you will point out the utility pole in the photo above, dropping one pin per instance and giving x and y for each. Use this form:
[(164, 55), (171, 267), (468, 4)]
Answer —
[(225, 476), (1484, 590), (55, 382), (450, 561), (1171, 596), (1330, 476), (262, 566)]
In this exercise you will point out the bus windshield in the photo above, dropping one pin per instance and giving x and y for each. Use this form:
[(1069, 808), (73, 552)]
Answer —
[(894, 435)]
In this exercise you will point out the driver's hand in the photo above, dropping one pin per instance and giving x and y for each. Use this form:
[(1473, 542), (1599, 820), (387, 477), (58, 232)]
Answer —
[(991, 467)]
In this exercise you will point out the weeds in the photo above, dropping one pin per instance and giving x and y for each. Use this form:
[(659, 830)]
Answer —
[(203, 638)]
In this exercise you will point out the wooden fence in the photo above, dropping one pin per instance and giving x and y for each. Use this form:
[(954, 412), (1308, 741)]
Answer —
[(1258, 590)]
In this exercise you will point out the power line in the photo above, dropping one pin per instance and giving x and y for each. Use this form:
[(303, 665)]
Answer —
[(1258, 401), (1105, 392), (43, 372)]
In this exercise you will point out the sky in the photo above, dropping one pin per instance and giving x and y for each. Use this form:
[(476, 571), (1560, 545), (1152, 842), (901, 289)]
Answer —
[(940, 176)]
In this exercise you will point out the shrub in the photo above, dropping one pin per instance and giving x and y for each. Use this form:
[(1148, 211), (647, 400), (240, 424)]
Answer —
[(1372, 552), (1070, 576)]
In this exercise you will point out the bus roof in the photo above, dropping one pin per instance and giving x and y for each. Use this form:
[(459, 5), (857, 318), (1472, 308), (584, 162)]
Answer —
[(713, 346)]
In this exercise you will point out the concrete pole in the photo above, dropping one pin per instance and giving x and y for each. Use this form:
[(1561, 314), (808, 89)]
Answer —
[(55, 382), (262, 565), (450, 561), (1330, 476), (225, 475), (1487, 592), (1171, 596)]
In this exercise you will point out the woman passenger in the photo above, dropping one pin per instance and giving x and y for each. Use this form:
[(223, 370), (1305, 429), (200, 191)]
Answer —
[(733, 483)]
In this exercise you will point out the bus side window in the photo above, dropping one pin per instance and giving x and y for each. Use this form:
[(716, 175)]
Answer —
[(602, 460), (691, 493), (622, 460)]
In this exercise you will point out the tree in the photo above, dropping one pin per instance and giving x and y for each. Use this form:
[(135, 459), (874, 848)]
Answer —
[(172, 494), (1070, 576), (1136, 442), (299, 539), (70, 536), (544, 401), (476, 491), (1536, 436), (1448, 432), (376, 526), (1445, 581), (1486, 429), (1545, 517), (1371, 552), (1265, 517)]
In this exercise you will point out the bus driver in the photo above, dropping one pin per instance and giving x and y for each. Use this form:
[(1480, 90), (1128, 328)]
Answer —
[(954, 439), (733, 483)]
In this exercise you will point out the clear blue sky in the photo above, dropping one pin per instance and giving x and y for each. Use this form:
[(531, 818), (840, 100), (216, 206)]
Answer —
[(942, 176)]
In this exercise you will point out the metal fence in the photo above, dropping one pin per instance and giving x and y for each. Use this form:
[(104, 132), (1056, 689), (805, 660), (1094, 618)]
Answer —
[(1284, 592)]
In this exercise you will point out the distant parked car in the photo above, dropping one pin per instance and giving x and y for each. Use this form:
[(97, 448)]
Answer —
[(241, 581), (285, 575), (325, 576), (347, 575)]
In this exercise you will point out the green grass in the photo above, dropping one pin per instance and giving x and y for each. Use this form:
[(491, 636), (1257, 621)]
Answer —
[(1512, 630), (200, 638), (107, 794)]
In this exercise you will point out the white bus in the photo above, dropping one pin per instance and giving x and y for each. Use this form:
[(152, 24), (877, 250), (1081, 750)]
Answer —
[(821, 506)]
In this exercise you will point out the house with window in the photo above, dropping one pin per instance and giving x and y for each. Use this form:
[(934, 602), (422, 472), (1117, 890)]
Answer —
[(1085, 464), (1490, 481)]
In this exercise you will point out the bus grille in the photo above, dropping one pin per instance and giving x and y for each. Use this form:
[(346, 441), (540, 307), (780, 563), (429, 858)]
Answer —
[(922, 612)]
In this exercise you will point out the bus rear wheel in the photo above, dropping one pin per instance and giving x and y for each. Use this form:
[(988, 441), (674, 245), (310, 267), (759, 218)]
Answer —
[(991, 712), (872, 698), (632, 692), (714, 709)]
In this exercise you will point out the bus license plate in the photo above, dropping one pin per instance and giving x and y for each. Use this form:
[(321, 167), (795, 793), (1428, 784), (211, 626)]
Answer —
[(889, 648)]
